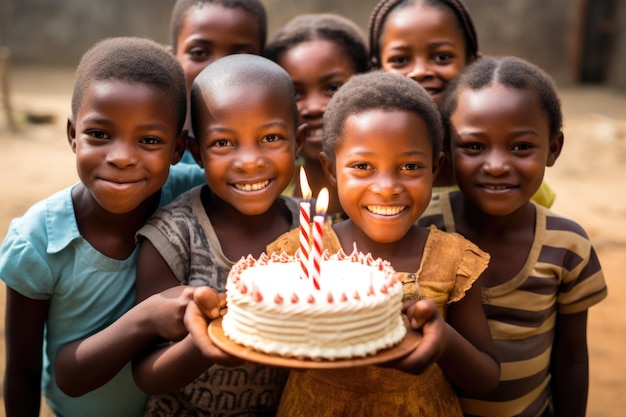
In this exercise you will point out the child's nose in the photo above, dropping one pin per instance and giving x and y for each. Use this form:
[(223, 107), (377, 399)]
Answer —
[(386, 185), (248, 160), (496, 164), (313, 106), (420, 69), (121, 154)]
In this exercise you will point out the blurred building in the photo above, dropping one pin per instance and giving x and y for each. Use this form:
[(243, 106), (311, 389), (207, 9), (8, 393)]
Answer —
[(573, 40)]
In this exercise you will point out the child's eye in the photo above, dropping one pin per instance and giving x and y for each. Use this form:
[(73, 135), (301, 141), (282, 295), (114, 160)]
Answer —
[(522, 147), (271, 138), (411, 167), (333, 87), (221, 143), (443, 57), (361, 166), (151, 140), (198, 54), (473, 146), (98, 134), (397, 61)]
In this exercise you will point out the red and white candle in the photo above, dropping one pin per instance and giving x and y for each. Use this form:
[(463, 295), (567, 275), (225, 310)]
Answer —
[(321, 205), (305, 225)]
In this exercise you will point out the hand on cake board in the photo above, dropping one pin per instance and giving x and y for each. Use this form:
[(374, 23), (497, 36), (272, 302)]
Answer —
[(424, 318), (207, 305)]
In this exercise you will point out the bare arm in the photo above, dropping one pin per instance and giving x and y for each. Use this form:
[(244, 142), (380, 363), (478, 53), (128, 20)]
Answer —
[(462, 347), (89, 363), (24, 326), (469, 359), (570, 365), (165, 368)]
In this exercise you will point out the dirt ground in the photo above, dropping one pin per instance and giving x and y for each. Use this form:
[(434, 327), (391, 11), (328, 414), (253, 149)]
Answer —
[(589, 179)]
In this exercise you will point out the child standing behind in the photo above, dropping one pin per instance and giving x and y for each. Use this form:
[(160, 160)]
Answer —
[(504, 119), (429, 41), (244, 112), (202, 31), (69, 262), (320, 52), (382, 149)]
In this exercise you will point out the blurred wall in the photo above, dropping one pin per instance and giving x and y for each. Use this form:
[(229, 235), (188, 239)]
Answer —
[(541, 31), (547, 32)]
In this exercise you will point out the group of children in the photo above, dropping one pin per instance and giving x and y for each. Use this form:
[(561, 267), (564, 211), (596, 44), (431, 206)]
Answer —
[(107, 310)]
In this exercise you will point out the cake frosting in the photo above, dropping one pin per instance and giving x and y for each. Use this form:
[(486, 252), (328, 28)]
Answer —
[(354, 313)]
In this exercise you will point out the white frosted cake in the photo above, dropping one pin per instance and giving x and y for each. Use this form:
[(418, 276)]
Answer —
[(354, 313)]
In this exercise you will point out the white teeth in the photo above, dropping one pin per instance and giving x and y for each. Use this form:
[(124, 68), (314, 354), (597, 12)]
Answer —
[(252, 187), (496, 187), (314, 133), (386, 210)]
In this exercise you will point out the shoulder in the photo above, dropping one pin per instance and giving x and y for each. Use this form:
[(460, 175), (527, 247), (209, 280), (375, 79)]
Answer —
[(173, 219), (451, 257), (182, 177), (50, 223), (555, 222), (33, 242), (182, 205)]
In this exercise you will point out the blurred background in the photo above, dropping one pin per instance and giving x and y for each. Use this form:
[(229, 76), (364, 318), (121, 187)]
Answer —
[(576, 41)]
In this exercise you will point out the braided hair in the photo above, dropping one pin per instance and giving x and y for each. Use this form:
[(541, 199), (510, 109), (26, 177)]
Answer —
[(510, 72), (384, 7)]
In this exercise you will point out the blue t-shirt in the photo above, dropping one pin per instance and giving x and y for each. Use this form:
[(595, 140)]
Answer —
[(44, 257)]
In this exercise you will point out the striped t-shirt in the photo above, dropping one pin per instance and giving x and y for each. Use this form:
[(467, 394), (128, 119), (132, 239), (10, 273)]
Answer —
[(562, 275)]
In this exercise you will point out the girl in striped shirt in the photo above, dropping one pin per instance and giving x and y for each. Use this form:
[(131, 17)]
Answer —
[(504, 121)]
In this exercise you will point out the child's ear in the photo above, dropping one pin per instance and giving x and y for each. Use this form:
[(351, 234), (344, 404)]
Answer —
[(71, 133), (329, 169), (301, 132), (194, 148), (179, 147), (556, 145)]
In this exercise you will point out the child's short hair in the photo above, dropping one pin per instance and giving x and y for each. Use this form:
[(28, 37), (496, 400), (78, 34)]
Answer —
[(254, 7), (510, 72), (379, 90), (135, 60), (240, 71), (384, 7), (323, 26)]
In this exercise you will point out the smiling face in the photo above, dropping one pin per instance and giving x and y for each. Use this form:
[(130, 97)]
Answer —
[(213, 31), (125, 139), (318, 68), (384, 172), (424, 43), (247, 144), (501, 145)]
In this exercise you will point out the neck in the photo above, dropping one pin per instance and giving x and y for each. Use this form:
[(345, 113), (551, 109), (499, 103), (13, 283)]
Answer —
[(473, 220), (241, 234), (110, 233)]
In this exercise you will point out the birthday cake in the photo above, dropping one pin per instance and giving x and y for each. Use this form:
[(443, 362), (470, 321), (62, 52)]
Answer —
[(352, 310)]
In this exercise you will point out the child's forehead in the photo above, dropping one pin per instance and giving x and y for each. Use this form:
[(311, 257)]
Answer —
[(115, 88), (495, 94), (246, 99), (497, 103), (386, 124), (120, 87)]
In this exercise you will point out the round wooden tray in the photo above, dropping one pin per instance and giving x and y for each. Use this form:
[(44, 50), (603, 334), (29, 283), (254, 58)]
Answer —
[(216, 333)]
